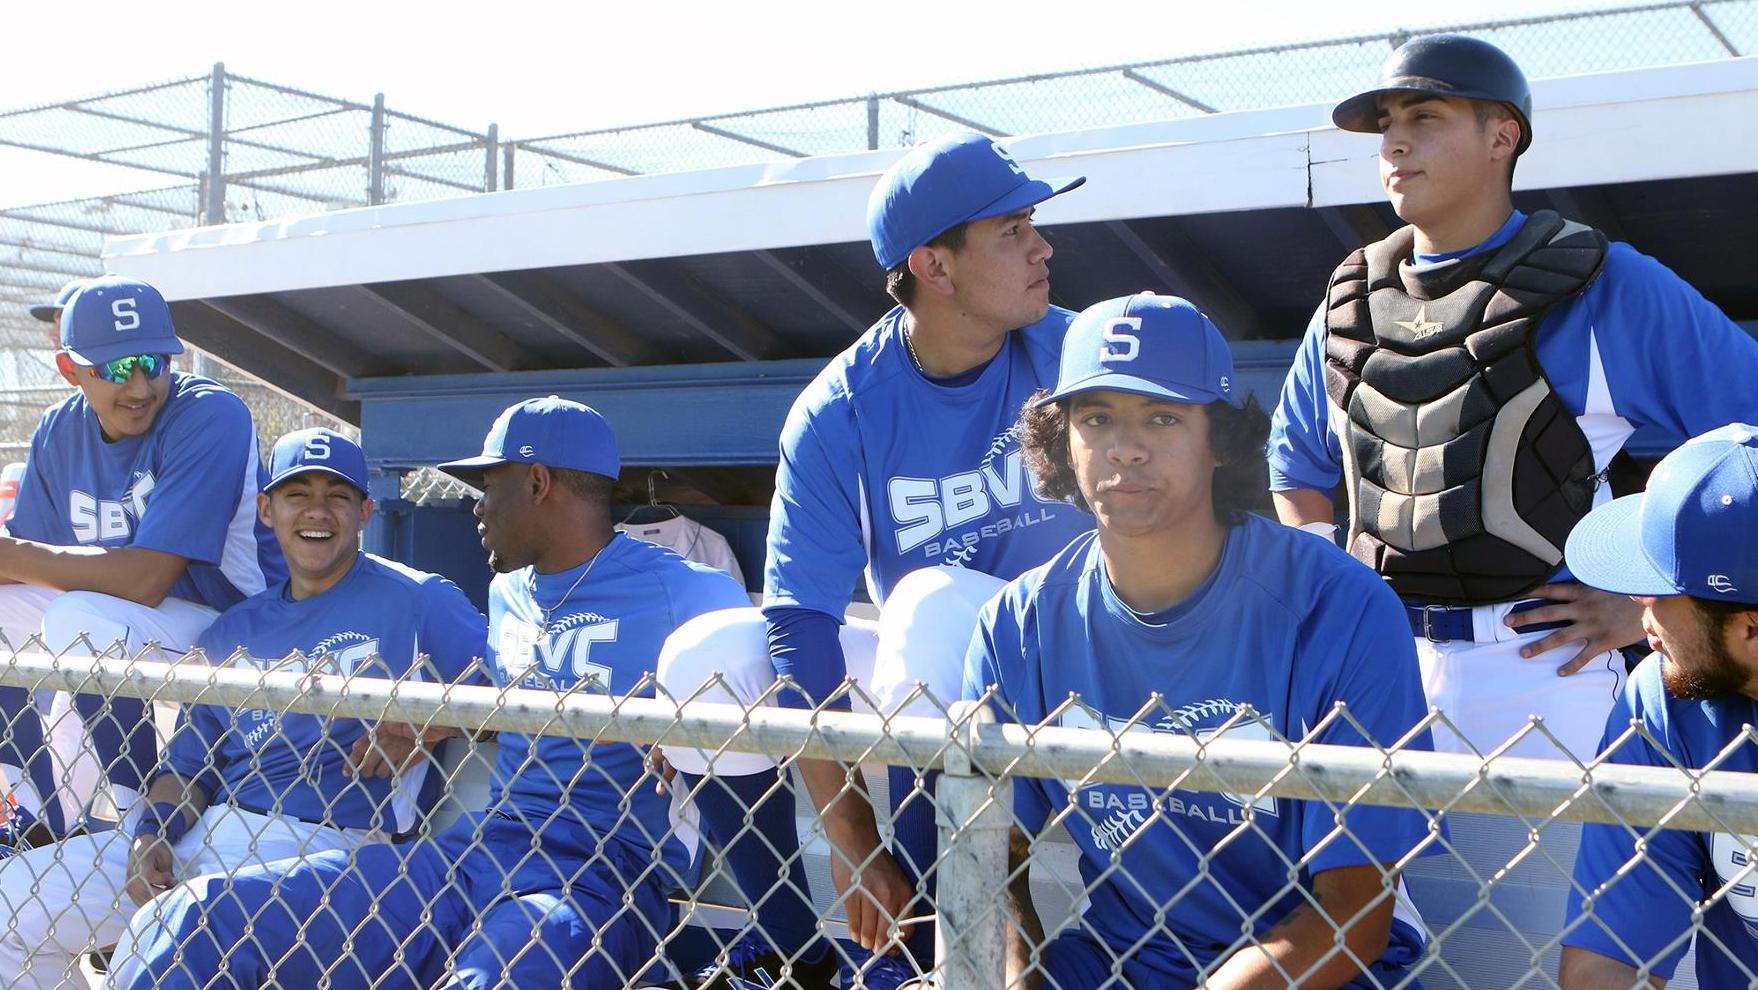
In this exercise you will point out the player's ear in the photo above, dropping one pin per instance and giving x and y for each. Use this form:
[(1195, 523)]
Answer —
[(69, 370), (1741, 637), (928, 266), (538, 480), (366, 507), (262, 509)]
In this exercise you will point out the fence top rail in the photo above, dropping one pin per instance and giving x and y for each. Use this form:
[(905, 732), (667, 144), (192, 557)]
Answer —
[(965, 741)]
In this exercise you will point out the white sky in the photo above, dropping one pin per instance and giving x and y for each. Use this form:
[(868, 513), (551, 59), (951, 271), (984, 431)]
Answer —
[(539, 68)]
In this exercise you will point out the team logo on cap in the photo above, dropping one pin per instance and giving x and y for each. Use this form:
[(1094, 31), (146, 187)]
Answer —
[(1117, 345), (526, 450), (1719, 582)]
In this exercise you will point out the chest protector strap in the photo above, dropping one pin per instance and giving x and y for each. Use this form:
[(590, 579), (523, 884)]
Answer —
[(1465, 469)]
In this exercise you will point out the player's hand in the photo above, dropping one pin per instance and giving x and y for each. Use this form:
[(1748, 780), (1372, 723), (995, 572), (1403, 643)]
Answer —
[(660, 765), (149, 869), (1598, 620), (386, 749), (875, 893)]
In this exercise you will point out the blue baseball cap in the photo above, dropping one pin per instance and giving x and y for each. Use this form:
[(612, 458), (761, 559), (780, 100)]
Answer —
[(1159, 346), (317, 449), (1688, 533), (941, 184), (50, 312), (551, 431), (113, 316)]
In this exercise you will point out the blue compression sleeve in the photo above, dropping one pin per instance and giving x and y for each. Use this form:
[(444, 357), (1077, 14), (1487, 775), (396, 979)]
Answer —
[(806, 644)]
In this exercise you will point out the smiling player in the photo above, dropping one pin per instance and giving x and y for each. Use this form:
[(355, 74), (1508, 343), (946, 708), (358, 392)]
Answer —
[(136, 523), (250, 786)]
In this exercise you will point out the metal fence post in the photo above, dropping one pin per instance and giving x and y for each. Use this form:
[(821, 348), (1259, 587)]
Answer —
[(975, 812), (375, 156), (213, 210), (873, 122), (491, 161), (507, 166)]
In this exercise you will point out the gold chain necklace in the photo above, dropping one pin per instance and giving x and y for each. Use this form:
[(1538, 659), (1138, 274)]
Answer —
[(909, 345)]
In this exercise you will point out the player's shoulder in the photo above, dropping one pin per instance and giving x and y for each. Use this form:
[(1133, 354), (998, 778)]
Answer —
[(1058, 576), (68, 414), (1046, 335), (1306, 573), (230, 628), (685, 582), (390, 576), (862, 364), (201, 403)]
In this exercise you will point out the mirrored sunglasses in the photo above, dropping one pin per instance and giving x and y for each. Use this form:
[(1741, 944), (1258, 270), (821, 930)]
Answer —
[(119, 371)]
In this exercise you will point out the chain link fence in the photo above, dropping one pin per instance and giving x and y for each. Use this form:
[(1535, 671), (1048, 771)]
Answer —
[(1219, 798)]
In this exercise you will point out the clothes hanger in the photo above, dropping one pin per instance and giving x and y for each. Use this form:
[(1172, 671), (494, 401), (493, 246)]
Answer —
[(669, 511)]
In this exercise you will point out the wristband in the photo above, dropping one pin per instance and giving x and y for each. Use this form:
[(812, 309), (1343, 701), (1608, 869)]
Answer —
[(163, 819)]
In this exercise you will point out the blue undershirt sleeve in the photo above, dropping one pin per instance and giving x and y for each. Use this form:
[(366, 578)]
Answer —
[(806, 645), (1302, 451)]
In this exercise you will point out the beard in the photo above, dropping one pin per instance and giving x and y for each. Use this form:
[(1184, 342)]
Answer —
[(1713, 674)]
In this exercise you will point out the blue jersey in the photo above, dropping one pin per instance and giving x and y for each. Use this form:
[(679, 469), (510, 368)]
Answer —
[(605, 637), (186, 487), (1285, 626), (1639, 348), (378, 621), (1644, 914), (885, 470)]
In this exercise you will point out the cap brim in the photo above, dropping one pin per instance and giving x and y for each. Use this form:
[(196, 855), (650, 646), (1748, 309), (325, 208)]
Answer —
[(1136, 386), (1361, 112), (286, 476), (90, 356), (1030, 194), (47, 312), (469, 470), (1604, 551)]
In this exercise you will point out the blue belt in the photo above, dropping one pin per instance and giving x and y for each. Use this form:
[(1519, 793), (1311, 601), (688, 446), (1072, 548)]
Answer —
[(1452, 623)]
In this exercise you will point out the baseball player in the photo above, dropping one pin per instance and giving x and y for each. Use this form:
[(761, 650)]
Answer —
[(247, 786), (135, 523), (1683, 549), (1185, 613), (1468, 380), (563, 881), (899, 457)]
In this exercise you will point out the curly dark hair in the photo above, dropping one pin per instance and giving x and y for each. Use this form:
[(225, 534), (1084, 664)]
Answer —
[(1236, 437)]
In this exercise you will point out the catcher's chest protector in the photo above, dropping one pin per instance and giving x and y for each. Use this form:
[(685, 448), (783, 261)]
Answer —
[(1465, 470)]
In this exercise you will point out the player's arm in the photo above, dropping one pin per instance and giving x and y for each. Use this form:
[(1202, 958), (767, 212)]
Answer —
[(1302, 949), (134, 573), (1584, 969), (1304, 457), (172, 806), (456, 636), (816, 553)]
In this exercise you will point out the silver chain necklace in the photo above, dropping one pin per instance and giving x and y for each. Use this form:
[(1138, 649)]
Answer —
[(549, 613), (909, 345)]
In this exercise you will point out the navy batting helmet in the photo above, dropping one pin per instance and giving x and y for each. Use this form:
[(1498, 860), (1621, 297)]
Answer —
[(1445, 65)]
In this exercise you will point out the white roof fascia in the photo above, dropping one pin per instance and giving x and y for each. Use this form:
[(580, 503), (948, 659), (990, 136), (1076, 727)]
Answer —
[(1611, 127)]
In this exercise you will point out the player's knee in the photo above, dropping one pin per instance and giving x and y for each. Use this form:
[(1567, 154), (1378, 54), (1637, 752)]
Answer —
[(721, 657), (87, 614), (924, 631)]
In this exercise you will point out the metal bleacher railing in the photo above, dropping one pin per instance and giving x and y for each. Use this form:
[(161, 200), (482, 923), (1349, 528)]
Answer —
[(980, 762), (237, 148)]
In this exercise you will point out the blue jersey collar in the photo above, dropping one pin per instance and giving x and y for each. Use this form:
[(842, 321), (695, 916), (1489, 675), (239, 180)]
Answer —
[(1503, 235)]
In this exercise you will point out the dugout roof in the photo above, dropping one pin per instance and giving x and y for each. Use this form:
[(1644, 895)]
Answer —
[(709, 298)]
